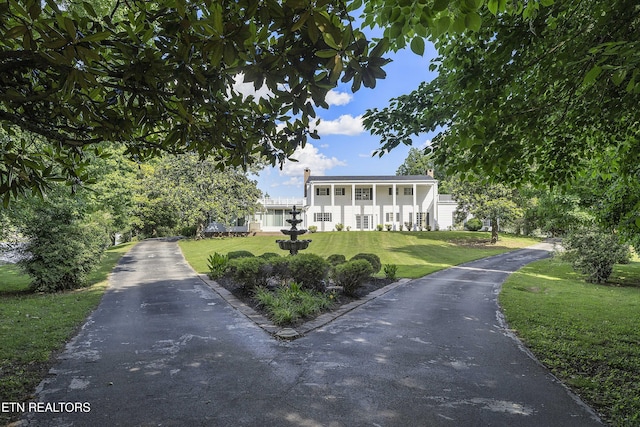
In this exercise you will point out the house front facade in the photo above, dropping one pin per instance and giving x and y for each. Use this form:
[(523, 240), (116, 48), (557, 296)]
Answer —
[(365, 202)]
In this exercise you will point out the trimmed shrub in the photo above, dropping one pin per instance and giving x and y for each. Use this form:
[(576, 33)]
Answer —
[(379, 227), (352, 274), (239, 254), (336, 259), (373, 259), (388, 227), (309, 270), (280, 267), (474, 224), (339, 227), (390, 271), (63, 244), (313, 228), (217, 264), (594, 253), (250, 272), (270, 255)]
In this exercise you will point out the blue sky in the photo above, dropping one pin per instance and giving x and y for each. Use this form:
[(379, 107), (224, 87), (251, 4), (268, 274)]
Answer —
[(344, 147)]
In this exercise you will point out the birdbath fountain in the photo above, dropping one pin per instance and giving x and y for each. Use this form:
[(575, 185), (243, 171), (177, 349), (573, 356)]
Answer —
[(293, 245)]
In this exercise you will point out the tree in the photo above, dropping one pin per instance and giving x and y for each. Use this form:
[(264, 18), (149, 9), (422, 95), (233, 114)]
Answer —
[(538, 97), (495, 202), (418, 162), (63, 241), (182, 193), (158, 76), (558, 213)]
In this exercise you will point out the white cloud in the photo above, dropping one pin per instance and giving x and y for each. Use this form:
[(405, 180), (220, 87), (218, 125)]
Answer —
[(247, 89), (343, 125), (308, 157), (426, 144), (338, 98), (367, 155)]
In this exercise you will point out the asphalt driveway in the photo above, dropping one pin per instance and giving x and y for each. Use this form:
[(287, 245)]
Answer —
[(164, 349)]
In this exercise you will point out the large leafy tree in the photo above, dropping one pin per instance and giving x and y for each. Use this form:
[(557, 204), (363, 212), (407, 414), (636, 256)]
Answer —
[(542, 97), (418, 162), (159, 76), (495, 202), (182, 193)]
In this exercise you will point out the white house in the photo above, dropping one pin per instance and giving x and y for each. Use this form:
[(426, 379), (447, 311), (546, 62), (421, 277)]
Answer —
[(274, 213), (364, 202)]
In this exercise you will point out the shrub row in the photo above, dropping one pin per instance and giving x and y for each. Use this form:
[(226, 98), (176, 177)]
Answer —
[(308, 270)]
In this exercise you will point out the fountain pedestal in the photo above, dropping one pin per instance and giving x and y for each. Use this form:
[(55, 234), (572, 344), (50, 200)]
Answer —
[(293, 245)]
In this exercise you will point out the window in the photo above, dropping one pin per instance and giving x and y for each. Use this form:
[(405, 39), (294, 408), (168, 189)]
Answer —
[(389, 217), (322, 191), (322, 217), (391, 191), (422, 219), (274, 218), (339, 191), (408, 191), (363, 222), (363, 194)]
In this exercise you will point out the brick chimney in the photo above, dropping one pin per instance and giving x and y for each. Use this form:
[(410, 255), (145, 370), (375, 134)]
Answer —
[(307, 174)]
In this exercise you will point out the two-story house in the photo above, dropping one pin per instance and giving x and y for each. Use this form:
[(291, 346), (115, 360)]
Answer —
[(363, 202)]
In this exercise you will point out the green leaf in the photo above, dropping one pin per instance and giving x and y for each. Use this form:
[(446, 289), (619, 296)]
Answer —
[(326, 53), (440, 5), (592, 75), (496, 6), (442, 25), (328, 39), (70, 26), (96, 37), (492, 5), (15, 32), (473, 21), (417, 45), (381, 48), (89, 9), (547, 2)]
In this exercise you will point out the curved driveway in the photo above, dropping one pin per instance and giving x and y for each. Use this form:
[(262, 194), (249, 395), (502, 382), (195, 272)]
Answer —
[(164, 349)]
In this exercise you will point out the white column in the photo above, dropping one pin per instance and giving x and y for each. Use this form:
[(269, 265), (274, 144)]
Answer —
[(353, 208), (333, 195), (395, 207), (416, 209), (375, 208), (313, 194), (436, 199)]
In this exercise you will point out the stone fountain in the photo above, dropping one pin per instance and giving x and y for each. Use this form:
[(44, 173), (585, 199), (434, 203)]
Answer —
[(293, 245)]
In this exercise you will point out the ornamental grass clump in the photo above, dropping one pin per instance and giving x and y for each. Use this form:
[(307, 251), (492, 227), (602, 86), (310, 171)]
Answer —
[(290, 303), (217, 264)]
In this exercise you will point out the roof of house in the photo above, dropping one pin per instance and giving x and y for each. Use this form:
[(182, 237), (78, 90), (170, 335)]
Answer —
[(370, 178)]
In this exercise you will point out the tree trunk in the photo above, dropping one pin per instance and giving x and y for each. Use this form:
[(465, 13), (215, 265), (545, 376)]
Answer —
[(494, 230), (200, 230)]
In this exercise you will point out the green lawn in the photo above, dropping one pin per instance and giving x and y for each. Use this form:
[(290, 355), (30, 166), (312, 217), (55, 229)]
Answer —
[(415, 253), (587, 334), (32, 326)]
